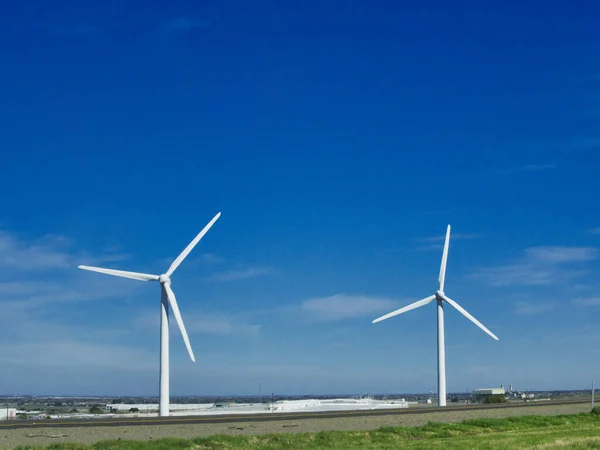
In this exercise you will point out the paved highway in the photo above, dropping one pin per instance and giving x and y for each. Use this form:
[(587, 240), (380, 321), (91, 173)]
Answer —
[(233, 418)]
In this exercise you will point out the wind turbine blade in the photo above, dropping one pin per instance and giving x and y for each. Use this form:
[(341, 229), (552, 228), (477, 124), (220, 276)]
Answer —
[(442, 276), (178, 319), (406, 308), (469, 316), (191, 245), (122, 273)]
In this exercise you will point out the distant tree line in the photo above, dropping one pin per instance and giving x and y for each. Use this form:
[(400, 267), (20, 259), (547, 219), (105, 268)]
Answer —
[(495, 399)]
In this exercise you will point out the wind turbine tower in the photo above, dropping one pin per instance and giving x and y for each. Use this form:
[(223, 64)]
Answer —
[(167, 298), (440, 297)]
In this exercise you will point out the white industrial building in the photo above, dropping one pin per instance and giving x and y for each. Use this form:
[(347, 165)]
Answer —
[(8, 413), (489, 391), (308, 405)]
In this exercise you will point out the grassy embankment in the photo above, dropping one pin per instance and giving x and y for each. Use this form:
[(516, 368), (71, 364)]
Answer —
[(572, 431)]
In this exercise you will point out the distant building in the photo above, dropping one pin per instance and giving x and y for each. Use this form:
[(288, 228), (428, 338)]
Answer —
[(7, 413), (489, 391)]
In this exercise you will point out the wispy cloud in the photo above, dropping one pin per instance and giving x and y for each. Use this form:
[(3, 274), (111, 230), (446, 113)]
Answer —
[(542, 265), (39, 276), (529, 308), (586, 143), (586, 301), (62, 353), (199, 322), (28, 294), (240, 274), (528, 168), (46, 253), (182, 24), (342, 306), (594, 230), (561, 254), (43, 332), (217, 324), (210, 258)]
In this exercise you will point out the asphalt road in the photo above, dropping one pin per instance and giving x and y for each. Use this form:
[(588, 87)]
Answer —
[(261, 417)]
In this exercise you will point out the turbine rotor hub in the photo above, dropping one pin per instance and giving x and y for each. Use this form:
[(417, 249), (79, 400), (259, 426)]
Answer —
[(164, 279), (439, 295)]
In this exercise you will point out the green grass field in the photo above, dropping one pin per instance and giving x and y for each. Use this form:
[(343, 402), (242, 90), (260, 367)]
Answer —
[(573, 431)]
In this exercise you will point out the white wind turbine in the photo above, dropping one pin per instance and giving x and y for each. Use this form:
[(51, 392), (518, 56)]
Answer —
[(167, 297), (440, 297)]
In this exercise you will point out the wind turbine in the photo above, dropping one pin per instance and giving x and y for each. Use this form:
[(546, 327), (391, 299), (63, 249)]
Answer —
[(440, 297), (167, 297)]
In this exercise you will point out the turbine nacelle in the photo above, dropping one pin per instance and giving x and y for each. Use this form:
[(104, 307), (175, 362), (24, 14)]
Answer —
[(164, 279), (439, 295)]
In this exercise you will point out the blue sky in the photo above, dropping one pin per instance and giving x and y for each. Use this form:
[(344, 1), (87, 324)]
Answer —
[(338, 140)]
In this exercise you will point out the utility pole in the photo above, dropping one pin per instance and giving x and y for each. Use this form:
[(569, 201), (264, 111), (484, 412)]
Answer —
[(593, 392)]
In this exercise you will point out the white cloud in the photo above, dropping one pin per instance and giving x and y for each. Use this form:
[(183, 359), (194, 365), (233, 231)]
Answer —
[(209, 258), (586, 143), (561, 254), (40, 311), (218, 324), (46, 354), (342, 306), (240, 274), (33, 302), (47, 253), (586, 301), (529, 168), (43, 334), (594, 230), (198, 322), (37, 294), (529, 308), (517, 274), (539, 266)]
